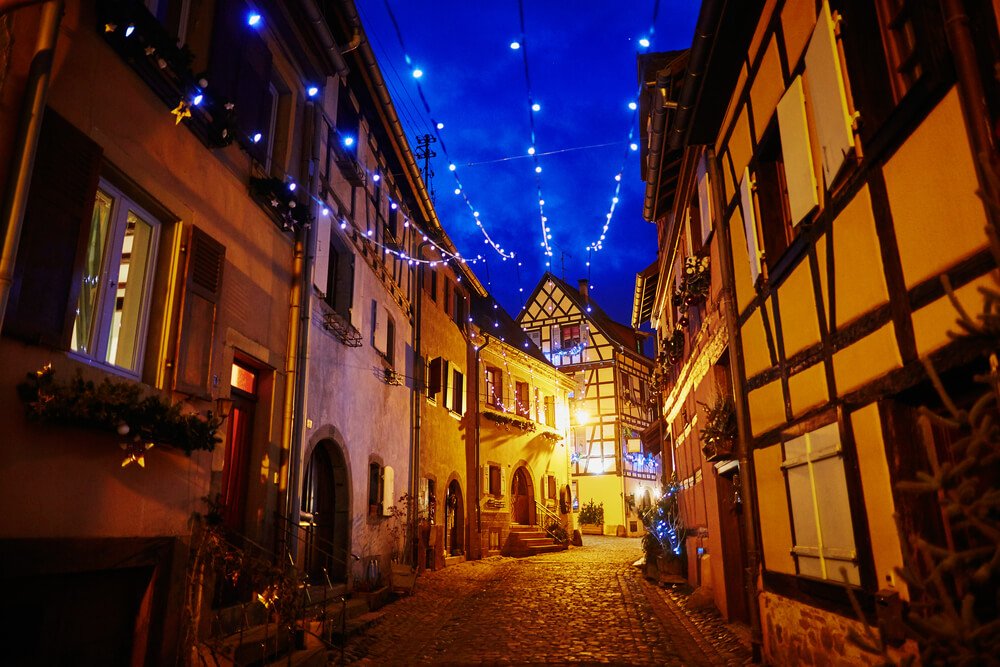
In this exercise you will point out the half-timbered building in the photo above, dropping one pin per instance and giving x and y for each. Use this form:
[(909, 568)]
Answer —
[(610, 402), (833, 156), (522, 443)]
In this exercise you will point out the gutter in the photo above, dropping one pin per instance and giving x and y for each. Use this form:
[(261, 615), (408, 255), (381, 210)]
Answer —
[(657, 141), (320, 28), (700, 55), (26, 143)]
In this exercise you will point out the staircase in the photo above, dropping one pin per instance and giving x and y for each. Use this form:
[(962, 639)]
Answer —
[(524, 541)]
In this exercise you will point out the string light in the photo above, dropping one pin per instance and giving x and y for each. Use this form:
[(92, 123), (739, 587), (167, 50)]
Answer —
[(254, 19)]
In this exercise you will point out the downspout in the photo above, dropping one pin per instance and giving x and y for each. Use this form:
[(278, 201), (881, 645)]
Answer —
[(23, 156), (973, 101), (301, 317), (415, 417), (744, 438), (479, 476)]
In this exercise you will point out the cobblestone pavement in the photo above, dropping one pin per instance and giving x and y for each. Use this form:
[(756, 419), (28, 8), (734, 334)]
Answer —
[(588, 604)]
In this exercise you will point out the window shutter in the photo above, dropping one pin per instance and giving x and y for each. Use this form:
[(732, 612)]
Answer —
[(463, 393), (704, 200), (202, 292), (47, 273), (503, 482), (485, 488), (446, 385), (388, 490), (800, 178), (750, 225), (227, 43), (825, 81), (321, 263), (434, 377)]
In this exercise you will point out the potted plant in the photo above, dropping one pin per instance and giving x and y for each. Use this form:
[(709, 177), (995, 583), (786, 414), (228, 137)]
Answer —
[(719, 433), (592, 518), (402, 573), (652, 550)]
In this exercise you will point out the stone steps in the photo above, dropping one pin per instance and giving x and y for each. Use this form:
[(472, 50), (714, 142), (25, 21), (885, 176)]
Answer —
[(526, 541)]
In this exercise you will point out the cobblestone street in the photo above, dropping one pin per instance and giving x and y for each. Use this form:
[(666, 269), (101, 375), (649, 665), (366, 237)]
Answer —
[(588, 604)]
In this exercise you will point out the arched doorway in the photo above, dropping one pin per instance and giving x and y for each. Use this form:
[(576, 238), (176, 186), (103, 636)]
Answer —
[(325, 514), (454, 523), (523, 497)]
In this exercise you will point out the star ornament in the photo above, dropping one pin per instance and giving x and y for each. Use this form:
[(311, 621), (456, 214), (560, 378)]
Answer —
[(182, 111), (135, 452)]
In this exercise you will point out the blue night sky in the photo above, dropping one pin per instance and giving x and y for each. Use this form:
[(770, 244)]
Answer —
[(582, 63)]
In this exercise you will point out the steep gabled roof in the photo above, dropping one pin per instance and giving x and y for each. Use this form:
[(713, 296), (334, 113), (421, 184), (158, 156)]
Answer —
[(617, 333), (492, 319)]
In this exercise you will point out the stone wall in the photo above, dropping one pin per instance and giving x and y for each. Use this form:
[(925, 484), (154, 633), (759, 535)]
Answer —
[(797, 634)]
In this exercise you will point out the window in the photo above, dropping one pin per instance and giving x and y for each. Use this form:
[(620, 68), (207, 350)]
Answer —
[(523, 405), (495, 485), (536, 337), (433, 283), (494, 391), (374, 489), (550, 411), (771, 198), (569, 336), (899, 38), (340, 281), (434, 370), (457, 391), (446, 295), (390, 339), (458, 311), (112, 308), (348, 123), (821, 513), (173, 15)]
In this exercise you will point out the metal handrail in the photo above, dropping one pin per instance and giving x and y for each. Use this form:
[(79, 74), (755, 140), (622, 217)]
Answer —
[(549, 514)]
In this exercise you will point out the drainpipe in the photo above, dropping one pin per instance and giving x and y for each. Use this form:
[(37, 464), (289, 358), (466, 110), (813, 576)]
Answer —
[(973, 99), (23, 156), (744, 438), (322, 30), (416, 394), (301, 317), (479, 475)]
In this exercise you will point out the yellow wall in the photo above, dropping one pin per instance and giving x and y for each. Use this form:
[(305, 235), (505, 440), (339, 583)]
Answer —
[(867, 359), (605, 489), (933, 322), (876, 485), (799, 322), (775, 526), (807, 389), (768, 86), (755, 352), (860, 285), (767, 407), (931, 182)]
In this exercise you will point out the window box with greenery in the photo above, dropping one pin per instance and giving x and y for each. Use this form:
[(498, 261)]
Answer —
[(719, 434), (118, 407), (695, 282), (591, 518)]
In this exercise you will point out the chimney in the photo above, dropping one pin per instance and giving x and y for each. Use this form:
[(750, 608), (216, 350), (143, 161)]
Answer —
[(583, 288)]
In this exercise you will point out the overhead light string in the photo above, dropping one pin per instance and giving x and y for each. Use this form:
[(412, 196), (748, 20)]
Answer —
[(417, 73), (644, 43), (533, 108)]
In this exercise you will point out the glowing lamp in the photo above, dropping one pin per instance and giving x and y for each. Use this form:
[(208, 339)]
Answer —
[(452, 167), (376, 178), (129, 29), (348, 141), (312, 91), (440, 126), (634, 146), (292, 186), (536, 107), (644, 43), (538, 170), (515, 45), (417, 73), (254, 19), (256, 137), (632, 106), (196, 100)]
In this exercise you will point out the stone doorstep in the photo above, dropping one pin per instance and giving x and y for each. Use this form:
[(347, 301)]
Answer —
[(453, 560)]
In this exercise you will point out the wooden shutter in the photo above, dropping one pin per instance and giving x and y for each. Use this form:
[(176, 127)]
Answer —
[(750, 225), (827, 90), (434, 377), (704, 200), (446, 383), (388, 490), (321, 262), (460, 385), (47, 273), (503, 482), (199, 310), (800, 178), (485, 487)]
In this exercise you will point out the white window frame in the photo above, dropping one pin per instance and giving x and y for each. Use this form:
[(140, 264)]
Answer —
[(121, 205)]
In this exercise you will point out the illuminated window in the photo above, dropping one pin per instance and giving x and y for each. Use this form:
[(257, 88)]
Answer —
[(244, 379), (495, 487), (569, 335), (112, 309), (374, 489), (494, 390)]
